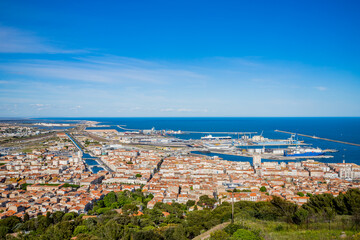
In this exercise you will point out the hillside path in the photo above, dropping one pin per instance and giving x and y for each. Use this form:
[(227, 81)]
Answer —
[(206, 234)]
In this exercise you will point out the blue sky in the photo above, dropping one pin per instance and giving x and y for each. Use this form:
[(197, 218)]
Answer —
[(179, 58)]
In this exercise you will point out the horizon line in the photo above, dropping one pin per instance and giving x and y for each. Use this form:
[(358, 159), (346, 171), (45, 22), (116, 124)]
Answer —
[(19, 118)]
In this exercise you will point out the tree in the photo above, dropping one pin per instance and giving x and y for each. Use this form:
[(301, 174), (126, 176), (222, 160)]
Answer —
[(138, 175), (301, 216), (122, 199), (9, 223), (109, 199), (263, 189), (208, 202), (86, 236), (111, 230), (351, 199), (3, 231), (219, 235), (300, 194), (57, 216), (329, 214), (130, 209), (356, 218), (59, 231), (49, 219), (156, 215), (175, 233), (80, 229), (319, 202), (190, 203), (26, 217), (285, 208), (147, 235)]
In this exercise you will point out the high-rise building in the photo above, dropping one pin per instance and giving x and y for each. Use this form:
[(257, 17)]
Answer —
[(256, 161)]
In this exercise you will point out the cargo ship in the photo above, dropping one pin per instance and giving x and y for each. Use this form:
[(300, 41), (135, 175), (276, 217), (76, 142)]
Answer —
[(304, 152)]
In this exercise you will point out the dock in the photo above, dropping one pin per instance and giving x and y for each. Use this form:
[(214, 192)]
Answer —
[(320, 138), (188, 132)]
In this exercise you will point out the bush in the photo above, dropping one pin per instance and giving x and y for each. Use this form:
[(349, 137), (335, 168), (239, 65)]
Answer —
[(232, 228), (243, 234), (279, 228), (263, 189), (219, 235)]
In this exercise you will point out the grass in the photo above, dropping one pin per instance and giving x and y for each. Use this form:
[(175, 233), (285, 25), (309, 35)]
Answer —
[(27, 150), (310, 234), (277, 230)]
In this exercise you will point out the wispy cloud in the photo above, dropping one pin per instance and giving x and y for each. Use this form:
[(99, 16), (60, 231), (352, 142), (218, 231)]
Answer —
[(40, 106), (13, 40), (183, 110), (321, 88), (109, 70), (120, 86)]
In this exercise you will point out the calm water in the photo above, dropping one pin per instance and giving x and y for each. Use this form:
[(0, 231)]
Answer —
[(344, 129)]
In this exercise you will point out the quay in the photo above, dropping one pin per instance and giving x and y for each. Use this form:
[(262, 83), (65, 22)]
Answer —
[(231, 133), (315, 137), (187, 132)]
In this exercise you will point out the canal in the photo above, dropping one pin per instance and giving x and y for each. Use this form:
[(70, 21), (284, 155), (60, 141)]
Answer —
[(91, 161)]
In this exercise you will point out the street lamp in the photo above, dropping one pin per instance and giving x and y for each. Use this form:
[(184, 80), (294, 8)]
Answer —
[(232, 204)]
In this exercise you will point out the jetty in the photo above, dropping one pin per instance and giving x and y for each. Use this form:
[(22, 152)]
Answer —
[(315, 137)]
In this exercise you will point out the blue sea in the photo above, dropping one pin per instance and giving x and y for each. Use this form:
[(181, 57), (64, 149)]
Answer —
[(338, 128)]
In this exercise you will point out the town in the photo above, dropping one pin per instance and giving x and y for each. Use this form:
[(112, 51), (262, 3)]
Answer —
[(70, 170)]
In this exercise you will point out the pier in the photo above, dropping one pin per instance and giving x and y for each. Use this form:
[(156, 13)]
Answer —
[(315, 137)]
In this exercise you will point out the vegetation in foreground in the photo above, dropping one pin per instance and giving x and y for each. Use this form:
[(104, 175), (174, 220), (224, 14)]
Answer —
[(124, 216)]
